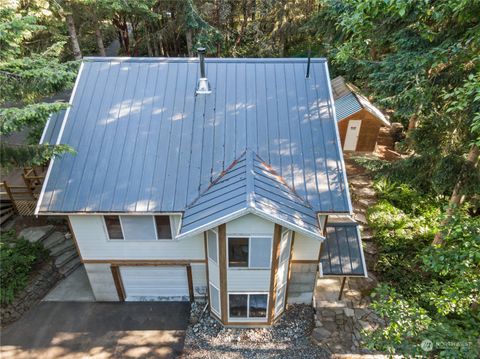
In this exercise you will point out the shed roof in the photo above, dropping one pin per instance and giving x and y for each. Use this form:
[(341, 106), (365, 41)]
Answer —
[(349, 100), (342, 252), (250, 186), (146, 143)]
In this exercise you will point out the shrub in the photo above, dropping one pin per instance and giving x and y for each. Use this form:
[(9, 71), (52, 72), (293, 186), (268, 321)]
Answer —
[(18, 258)]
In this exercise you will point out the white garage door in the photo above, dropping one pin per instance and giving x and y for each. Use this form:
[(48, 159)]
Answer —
[(155, 283)]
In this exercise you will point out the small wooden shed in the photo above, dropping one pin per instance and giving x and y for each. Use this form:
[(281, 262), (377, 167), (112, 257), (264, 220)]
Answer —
[(358, 120)]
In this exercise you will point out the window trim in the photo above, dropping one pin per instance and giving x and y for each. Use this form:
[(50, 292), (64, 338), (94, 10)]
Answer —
[(249, 252), (106, 227), (156, 229), (137, 240), (217, 262), (248, 318)]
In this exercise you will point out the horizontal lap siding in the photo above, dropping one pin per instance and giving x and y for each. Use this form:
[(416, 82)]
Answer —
[(94, 244), (305, 248), (101, 281), (248, 280)]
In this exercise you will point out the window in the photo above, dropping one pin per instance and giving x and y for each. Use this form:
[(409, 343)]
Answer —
[(238, 252), (114, 228), (212, 245), (260, 252), (164, 230), (215, 299), (253, 252), (238, 305), (138, 228), (248, 305)]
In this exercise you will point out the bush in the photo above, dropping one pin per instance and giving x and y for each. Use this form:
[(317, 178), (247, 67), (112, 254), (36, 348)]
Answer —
[(18, 258), (428, 293)]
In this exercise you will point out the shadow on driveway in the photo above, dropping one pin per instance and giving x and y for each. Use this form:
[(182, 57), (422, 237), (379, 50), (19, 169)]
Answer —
[(98, 330)]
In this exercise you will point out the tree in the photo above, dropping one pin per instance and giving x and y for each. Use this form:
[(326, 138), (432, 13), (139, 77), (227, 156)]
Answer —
[(25, 78)]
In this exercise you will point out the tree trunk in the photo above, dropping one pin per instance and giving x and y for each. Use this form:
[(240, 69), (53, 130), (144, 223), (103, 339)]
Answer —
[(98, 35), (457, 198), (189, 37), (77, 54), (244, 23)]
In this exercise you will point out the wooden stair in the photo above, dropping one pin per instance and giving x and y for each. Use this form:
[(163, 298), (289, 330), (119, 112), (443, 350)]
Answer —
[(22, 198)]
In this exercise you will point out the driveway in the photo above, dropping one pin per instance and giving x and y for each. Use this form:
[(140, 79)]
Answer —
[(98, 330)]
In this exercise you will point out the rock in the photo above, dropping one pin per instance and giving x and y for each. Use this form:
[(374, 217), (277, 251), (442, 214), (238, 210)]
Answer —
[(349, 312), (34, 234), (320, 334), (361, 218)]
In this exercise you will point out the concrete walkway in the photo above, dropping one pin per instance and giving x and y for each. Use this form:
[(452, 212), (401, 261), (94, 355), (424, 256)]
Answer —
[(74, 288), (97, 330)]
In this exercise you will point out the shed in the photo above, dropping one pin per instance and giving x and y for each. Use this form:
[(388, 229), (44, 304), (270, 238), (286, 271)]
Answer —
[(358, 120)]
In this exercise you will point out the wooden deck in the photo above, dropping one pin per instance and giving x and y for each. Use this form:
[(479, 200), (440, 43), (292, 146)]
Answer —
[(21, 189)]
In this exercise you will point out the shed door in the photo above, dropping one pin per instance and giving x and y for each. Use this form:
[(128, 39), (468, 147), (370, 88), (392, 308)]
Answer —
[(155, 283), (351, 139)]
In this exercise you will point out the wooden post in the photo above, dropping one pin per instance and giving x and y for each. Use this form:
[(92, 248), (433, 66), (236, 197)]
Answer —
[(9, 194), (190, 282), (277, 236), (222, 261), (341, 288)]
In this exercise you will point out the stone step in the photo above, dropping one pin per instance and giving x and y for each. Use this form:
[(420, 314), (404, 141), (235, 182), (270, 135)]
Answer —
[(321, 304), (53, 240), (34, 234), (65, 257), (62, 247), (6, 216), (70, 266)]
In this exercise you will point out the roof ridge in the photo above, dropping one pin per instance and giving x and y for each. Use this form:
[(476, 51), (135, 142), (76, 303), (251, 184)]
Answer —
[(282, 181), (219, 177)]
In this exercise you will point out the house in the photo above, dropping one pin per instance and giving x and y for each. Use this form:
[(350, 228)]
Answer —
[(358, 120), (212, 181)]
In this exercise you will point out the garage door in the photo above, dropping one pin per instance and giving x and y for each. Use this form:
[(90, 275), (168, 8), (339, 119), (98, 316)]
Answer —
[(155, 283)]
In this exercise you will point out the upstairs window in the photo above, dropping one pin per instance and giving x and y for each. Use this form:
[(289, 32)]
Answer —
[(249, 252), (164, 230), (114, 228), (138, 228), (238, 252)]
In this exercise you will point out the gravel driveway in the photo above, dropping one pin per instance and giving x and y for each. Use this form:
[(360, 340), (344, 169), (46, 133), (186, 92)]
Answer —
[(97, 330)]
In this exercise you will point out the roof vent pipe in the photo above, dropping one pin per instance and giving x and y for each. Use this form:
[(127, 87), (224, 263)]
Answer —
[(203, 86), (308, 63)]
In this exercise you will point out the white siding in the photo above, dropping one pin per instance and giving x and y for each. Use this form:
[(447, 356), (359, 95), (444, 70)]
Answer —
[(93, 242), (248, 280), (250, 225), (305, 248), (101, 281)]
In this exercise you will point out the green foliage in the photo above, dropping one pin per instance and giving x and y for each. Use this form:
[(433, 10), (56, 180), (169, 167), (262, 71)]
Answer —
[(30, 155), (18, 257), (14, 119), (427, 292)]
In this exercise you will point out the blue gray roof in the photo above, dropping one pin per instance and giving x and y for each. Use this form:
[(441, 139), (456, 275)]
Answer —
[(52, 128), (349, 100), (342, 253), (145, 143), (346, 106), (249, 185)]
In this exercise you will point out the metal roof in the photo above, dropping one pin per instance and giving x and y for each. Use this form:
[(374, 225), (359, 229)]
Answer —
[(342, 252), (146, 143), (250, 186), (52, 128), (349, 100)]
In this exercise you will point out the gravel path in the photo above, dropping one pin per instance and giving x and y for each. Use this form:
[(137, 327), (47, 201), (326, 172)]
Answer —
[(288, 338)]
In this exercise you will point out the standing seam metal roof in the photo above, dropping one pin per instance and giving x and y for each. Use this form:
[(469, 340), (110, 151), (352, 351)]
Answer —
[(342, 252), (146, 143), (250, 186)]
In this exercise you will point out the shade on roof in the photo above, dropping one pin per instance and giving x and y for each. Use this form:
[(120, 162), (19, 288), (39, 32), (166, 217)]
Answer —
[(349, 100), (250, 186), (342, 253), (52, 128), (145, 143)]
